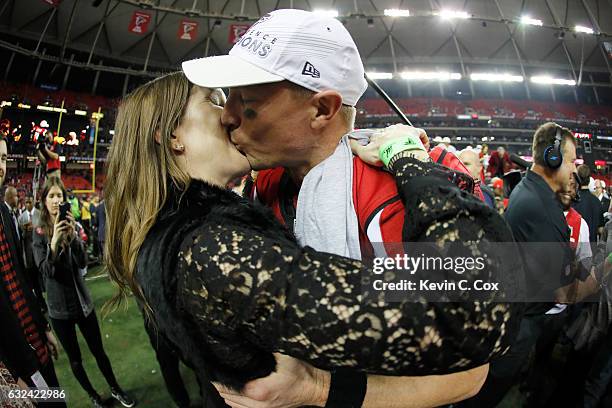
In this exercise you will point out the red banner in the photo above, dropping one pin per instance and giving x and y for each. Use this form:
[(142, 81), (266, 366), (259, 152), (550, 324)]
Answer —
[(140, 22), (188, 30), (236, 31)]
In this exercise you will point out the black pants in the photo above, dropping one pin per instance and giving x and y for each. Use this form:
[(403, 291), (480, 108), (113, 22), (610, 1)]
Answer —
[(504, 371), (66, 334), (169, 365), (48, 373)]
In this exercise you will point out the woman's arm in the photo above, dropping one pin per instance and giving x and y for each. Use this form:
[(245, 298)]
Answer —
[(245, 292), (43, 256), (77, 248)]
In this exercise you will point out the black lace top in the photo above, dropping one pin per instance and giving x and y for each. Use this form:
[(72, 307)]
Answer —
[(237, 287)]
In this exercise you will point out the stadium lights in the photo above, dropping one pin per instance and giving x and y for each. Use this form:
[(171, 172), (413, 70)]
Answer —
[(420, 75), (531, 21), (379, 75), (495, 77), (112, 132), (327, 13), (5, 103), (583, 29), (548, 80), (397, 13), (450, 14), (80, 112)]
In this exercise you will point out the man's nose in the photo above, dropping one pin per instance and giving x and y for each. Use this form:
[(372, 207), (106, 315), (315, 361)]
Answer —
[(229, 118)]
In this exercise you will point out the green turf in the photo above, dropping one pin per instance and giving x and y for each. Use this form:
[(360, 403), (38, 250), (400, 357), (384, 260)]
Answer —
[(130, 353)]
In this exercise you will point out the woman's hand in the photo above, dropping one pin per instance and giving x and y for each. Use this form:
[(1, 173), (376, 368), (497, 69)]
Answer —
[(370, 152), (63, 231)]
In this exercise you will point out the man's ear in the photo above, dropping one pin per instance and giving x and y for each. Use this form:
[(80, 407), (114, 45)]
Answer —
[(327, 104), (158, 136)]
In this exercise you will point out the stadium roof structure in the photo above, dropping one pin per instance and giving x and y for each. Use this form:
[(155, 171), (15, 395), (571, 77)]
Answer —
[(526, 41)]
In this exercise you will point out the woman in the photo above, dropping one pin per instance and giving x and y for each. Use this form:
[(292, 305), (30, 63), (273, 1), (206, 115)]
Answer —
[(59, 254), (228, 285)]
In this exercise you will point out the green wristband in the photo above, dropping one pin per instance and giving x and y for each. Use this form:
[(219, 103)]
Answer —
[(390, 149)]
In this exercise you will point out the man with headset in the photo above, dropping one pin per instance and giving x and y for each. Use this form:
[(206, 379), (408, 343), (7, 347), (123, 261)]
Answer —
[(538, 224)]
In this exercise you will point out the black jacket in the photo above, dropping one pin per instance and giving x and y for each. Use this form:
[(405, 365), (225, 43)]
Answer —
[(591, 210), (228, 285), (15, 351), (67, 295)]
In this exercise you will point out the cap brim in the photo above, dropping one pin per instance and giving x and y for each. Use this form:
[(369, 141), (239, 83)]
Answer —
[(226, 71)]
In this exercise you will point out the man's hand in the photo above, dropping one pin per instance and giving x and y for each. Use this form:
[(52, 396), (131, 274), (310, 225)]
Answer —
[(370, 152), (52, 344), (294, 384)]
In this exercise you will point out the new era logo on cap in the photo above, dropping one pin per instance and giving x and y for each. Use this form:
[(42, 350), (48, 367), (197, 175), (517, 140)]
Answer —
[(310, 50), (310, 70)]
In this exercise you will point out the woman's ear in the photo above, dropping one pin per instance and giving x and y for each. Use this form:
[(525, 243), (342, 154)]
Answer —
[(174, 143)]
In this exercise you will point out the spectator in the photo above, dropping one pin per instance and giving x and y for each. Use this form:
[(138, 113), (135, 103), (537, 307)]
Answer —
[(602, 194), (589, 206), (11, 201), (26, 343), (26, 223), (499, 163), (60, 255), (471, 160), (48, 155), (536, 216)]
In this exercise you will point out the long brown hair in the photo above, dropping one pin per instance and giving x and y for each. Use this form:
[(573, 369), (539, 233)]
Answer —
[(46, 223), (138, 171)]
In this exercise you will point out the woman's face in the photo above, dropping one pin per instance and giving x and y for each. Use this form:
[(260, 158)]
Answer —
[(208, 152), (53, 200)]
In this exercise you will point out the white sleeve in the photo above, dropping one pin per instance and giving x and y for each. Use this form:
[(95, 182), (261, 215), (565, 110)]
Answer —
[(583, 249)]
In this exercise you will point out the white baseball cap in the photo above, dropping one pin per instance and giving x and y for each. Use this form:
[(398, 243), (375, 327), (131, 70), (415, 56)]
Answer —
[(308, 49)]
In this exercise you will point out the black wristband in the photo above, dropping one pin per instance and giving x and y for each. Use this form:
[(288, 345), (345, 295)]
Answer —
[(347, 389)]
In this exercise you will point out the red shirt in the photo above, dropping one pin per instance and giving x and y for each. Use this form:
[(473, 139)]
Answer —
[(380, 211), (574, 220)]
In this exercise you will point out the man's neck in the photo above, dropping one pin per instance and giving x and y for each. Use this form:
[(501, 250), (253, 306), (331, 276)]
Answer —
[(319, 153), (544, 173)]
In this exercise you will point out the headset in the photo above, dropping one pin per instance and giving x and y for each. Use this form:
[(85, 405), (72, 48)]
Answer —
[(552, 154)]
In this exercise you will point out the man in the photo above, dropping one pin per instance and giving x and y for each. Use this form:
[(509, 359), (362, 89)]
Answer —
[(601, 194), (11, 201), (589, 206), (291, 116), (471, 160), (27, 220), (27, 343), (47, 154), (536, 218), (499, 163)]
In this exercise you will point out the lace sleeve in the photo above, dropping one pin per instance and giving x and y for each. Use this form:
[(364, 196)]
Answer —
[(248, 295)]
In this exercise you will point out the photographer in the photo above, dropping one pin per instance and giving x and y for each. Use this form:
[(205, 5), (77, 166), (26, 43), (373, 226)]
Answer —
[(59, 254), (47, 154)]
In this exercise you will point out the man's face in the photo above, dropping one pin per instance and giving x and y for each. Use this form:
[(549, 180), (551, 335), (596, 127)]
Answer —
[(270, 124), (471, 160), (3, 159), (598, 188), (11, 197), (564, 175), (501, 151), (29, 204), (567, 196)]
